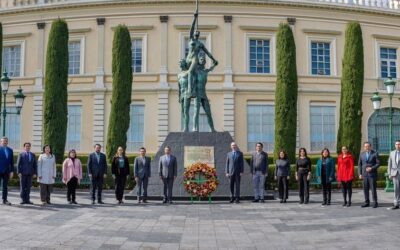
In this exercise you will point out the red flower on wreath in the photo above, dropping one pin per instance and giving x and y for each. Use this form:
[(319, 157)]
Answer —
[(200, 180)]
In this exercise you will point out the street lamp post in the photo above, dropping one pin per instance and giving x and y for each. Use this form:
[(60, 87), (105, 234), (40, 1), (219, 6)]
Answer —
[(376, 102), (19, 99)]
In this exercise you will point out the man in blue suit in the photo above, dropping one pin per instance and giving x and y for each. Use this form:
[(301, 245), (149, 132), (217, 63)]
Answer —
[(142, 172), (97, 168), (234, 170), (368, 164), (27, 169), (167, 170), (6, 167)]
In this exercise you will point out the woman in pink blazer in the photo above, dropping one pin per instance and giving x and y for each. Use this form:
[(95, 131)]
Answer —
[(72, 175)]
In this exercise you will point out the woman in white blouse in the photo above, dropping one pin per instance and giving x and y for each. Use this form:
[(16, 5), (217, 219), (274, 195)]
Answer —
[(46, 173)]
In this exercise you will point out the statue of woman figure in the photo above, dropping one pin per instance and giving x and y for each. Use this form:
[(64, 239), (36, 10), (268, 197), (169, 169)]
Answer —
[(201, 98), (192, 59)]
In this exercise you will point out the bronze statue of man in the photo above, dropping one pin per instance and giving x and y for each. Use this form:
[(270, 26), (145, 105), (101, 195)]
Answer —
[(184, 96), (192, 59), (193, 78)]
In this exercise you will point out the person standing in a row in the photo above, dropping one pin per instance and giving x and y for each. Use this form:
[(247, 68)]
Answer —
[(72, 175), (168, 171), (234, 170), (259, 171), (368, 165), (27, 169), (120, 171), (282, 174), (142, 172), (345, 174), (6, 167), (303, 175), (97, 168), (46, 173), (394, 173), (325, 173)]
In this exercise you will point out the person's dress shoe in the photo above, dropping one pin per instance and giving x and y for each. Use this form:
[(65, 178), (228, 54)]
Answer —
[(375, 205), (144, 201), (29, 202), (170, 201), (284, 200), (281, 201), (323, 203), (301, 202), (70, 202), (22, 203), (255, 200), (93, 202), (365, 205), (349, 204), (237, 201), (394, 207), (6, 202), (328, 203), (74, 202), (344, 203), (306, 202), (48, 202), (164, 201), (231, 200), (262, 201), (100, 202)]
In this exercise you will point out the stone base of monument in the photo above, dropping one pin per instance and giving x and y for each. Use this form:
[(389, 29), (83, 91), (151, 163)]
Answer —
[(221, 142)]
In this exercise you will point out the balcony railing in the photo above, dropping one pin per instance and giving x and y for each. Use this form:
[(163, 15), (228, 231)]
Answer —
[(385, 5)]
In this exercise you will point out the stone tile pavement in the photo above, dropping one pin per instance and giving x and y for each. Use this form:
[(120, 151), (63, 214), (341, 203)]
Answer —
[(199, 226)]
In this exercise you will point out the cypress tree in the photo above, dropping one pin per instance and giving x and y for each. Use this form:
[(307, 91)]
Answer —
[(286, 93), (352, 84), (121, 90), (56, 93)]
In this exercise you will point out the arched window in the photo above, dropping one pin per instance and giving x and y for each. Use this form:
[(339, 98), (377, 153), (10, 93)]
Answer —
[(378, 129)]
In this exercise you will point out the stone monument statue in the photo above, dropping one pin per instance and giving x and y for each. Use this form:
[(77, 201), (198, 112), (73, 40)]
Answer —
[(193, 78)]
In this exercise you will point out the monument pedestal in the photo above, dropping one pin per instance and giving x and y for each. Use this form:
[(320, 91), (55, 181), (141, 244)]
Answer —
[(221, 142)]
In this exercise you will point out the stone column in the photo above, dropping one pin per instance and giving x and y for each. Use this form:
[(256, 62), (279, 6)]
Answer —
[(98, 118), (228, 88), (163, 93), (40, 57), (37, 124), (100, 53)]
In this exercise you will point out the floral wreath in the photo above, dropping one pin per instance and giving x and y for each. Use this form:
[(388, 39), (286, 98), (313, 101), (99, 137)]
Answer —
[(200, 180)]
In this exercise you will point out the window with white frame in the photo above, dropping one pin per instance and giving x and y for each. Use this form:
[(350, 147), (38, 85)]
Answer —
[(320, 58), (388, 62), (135, 134), (74, 127), (13, 128), (137, 55), (259, 55), (203, 122), (261, 126), (74, 57), (322, 127), (12, 60)]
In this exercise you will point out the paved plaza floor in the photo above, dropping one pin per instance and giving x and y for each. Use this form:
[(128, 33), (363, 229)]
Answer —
[(199, 226)]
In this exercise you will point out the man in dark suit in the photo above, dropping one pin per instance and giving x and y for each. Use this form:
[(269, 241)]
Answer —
[(368, 164), (234, 170), (168, 169), (6, 167), (259, 170), (27, 169), (97, 167), (142, 171)]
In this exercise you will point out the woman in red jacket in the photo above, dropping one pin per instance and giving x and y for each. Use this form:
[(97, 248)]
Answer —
[(345, 174)]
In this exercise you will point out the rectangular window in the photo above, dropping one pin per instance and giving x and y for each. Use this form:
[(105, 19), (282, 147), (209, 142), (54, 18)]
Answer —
[(12, 60), (13, 128), (388, 62), (74, 127), (260, 126), (322, 127), (203, 123), (137, 55), (320, 58), (259, 59), (74, 57), (135, 135)]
